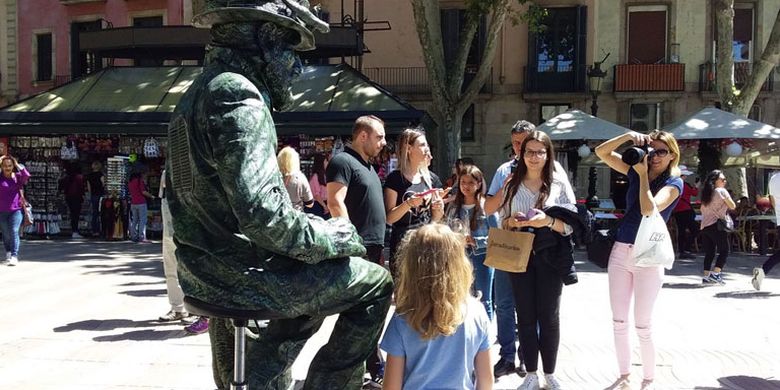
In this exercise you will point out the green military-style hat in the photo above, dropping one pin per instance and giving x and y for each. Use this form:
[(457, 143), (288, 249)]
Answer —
[(292, 14)]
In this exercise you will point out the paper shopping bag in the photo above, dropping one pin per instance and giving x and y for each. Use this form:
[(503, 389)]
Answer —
[(509, 250)]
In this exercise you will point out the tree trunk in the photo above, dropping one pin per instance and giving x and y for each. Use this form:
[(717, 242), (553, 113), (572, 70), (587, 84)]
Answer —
[(724, 68), (760, 71)]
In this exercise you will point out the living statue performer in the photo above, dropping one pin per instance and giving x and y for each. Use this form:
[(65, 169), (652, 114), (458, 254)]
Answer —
[(240, 242)]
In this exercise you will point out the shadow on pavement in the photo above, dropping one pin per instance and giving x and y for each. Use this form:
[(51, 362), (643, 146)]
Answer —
[(684, 286), (146, 293), (144, 335), (103, 325), (134, 268), (747, 294), (153, 331), (749, 382)]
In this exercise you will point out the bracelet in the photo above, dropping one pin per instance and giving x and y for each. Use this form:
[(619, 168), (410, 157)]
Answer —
[(552, 223)]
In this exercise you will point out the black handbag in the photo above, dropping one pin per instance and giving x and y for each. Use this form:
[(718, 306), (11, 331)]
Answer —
[(723, 226), (600, 247)]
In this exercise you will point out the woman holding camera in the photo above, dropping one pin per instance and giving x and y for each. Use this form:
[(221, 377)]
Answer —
[(653, 183), (715, 223), (532, 187)]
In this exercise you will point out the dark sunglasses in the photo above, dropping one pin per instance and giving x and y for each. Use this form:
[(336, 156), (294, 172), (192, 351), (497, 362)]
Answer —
[(661, 152)]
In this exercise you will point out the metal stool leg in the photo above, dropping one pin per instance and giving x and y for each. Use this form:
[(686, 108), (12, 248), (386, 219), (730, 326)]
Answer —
[(239, 345)]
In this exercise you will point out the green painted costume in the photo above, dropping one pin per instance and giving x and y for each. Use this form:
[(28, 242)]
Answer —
[(240, 243)]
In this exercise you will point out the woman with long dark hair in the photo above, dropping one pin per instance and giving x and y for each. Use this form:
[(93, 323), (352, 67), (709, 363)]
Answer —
[(531, 188), (653, 184), (715, 221)]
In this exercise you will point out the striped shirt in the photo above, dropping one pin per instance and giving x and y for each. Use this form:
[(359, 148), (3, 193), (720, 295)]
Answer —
[(525, 200)]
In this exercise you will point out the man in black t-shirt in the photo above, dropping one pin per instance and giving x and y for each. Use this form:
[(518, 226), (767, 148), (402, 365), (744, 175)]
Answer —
[(355, 192), (354, 188)]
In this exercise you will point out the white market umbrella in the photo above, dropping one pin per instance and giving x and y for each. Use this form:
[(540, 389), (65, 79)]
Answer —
[(714, 123), (577, 125)]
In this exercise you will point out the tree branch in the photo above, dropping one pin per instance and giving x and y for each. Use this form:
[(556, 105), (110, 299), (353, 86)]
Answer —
[(760, 72), (458, 68), (428, 24), (497, 19)]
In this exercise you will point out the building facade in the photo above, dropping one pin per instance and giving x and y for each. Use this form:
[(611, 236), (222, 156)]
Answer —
[(48, 42), (659, 64), (8, 66)]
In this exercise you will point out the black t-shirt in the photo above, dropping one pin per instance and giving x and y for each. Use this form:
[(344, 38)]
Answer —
[(405, 189), (364, 200), (95, 184)]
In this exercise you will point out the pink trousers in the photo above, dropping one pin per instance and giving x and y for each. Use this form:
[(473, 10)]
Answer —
[(643, 283)]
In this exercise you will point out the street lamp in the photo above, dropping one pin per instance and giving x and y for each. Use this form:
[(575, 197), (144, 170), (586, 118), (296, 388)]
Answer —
[(595, 75)]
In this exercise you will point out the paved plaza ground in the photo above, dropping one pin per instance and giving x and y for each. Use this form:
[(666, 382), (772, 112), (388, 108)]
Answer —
[(81, 314)]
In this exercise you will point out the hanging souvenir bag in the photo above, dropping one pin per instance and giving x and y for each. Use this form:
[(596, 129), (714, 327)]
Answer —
[(151, 148), (68, 151)]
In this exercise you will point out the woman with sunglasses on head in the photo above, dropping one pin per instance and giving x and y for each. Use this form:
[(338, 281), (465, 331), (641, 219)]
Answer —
[(529, 195), (653, 183), (411, 198), (715, 221)]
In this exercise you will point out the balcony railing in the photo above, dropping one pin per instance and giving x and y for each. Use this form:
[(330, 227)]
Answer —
[(742, 70), (415, 80), (649, 78), (560, 79)]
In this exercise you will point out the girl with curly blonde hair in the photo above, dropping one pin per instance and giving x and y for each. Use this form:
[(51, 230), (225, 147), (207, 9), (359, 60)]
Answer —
[(435, 316)]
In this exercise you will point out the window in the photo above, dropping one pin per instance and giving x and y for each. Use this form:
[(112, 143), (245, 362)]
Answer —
[(44, 66), (743, 32), (645, 117), (647, 34), (148, 21), (83, 62), (556, 55), (547, 111), (467, 125)]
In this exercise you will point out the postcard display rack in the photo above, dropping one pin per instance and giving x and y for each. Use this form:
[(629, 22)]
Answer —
[(40, 155)]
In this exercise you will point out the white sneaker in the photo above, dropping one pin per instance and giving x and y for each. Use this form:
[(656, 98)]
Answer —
[(620, 384), (76, 235), (551, 383), (531, 382), (758, 278), (13, 261)]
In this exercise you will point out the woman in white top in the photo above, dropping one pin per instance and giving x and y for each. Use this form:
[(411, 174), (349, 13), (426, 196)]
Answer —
[(294, 181), (530, 188), (715, 221)]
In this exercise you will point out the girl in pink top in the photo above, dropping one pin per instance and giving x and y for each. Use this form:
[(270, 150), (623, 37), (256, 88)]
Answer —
[(715, 204)]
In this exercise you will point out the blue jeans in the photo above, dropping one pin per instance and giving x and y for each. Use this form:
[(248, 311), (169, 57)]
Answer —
[(138, 222), (94, 201), (505, 315), (10, 222), (483, 281)]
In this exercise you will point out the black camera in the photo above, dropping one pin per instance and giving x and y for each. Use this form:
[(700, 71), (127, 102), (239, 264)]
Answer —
[(635, 154)]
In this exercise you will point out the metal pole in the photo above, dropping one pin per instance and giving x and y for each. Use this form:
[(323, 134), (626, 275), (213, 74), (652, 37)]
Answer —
[(239, 343)]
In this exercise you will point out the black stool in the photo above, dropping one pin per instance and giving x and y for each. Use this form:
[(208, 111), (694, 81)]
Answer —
[(240, 318)]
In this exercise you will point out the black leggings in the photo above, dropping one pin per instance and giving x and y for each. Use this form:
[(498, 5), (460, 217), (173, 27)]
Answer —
[(711, 239), (74, 205), (537, 303), (687, 229)]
